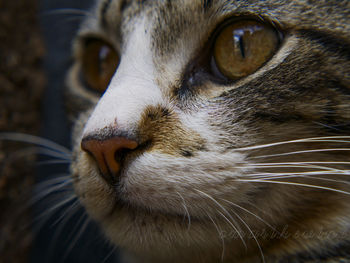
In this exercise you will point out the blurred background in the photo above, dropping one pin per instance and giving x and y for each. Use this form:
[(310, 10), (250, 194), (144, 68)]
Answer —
[(35, 45)]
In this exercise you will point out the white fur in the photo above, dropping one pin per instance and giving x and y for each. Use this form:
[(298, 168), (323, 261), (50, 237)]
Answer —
[(131, 90)]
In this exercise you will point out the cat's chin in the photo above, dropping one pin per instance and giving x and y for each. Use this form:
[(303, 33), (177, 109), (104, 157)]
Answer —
[(152, 234), (158, 235)]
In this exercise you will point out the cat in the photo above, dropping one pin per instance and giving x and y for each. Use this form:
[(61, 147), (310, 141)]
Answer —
[(214, 131)]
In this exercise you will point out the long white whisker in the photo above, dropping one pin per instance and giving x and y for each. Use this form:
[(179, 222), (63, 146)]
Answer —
[(109, 254), (72, 207), (300, 152), (220, 235), (294, 184), (298, 176), (58, 186), (325, 168), (22, 137), (57, 178), (77, 235), (251, 232), (227, 213), (303, 163), (312, 139), (59, 230), (304, 174), (35, 151), (251, 213), (50, 212), (55, 207), (186, 210)]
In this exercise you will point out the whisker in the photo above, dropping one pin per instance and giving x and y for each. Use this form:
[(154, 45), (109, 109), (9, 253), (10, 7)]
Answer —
[(323, 162), (34, 151), (109, 254), (66, 21), (56, 178), (234, 227), (56, 207), (308, 165), (73, 207), (58, 186), (77, 235), (67, 11), (300, 152), (251, 213), (305, 174), (312, 139), (53, 162), (325, 168), (186, 210), (40, 220), (220, 233), (227, 213), (22, 137), (295, 184), (298, 176), (59, 229), (251, 232)]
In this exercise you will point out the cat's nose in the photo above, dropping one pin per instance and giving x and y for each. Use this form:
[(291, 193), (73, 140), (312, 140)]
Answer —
[(108, 154)]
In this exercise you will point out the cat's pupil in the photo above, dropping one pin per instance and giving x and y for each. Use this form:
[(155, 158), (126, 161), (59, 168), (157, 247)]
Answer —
[(239, 44)]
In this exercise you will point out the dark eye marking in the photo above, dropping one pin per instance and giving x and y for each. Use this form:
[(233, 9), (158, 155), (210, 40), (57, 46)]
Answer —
[(124, 4), (104, 11), (186, 153), (333, 43)]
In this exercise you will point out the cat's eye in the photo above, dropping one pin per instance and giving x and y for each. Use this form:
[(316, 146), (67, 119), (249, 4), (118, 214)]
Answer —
[(99, 63), (242, 47)]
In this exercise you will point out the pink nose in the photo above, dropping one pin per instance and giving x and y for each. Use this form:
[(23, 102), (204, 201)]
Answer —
[(107, 153)]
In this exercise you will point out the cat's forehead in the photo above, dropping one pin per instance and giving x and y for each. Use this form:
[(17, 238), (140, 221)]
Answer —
[(169, 23), (178, 14)]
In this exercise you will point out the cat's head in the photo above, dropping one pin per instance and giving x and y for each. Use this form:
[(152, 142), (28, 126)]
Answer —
[(218, 119)]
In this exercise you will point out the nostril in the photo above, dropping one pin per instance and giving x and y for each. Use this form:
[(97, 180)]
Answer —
[(108, 153), (119, 155)]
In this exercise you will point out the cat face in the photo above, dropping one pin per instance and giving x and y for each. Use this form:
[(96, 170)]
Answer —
[(218, 119)]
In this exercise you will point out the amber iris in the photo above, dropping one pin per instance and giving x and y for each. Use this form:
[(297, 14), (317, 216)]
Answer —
[(244, 46), (99, 62)]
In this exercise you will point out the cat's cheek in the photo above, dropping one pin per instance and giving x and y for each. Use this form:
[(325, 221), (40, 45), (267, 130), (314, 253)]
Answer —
[(93, 192)]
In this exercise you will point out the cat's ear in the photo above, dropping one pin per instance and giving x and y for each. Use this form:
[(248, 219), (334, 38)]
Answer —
[(99, 63)]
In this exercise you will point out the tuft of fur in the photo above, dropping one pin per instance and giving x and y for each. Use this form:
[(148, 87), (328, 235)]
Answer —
[(252, 171)]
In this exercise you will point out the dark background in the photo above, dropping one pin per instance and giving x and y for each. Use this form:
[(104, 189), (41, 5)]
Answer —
[(35, 45), (59, 20)]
